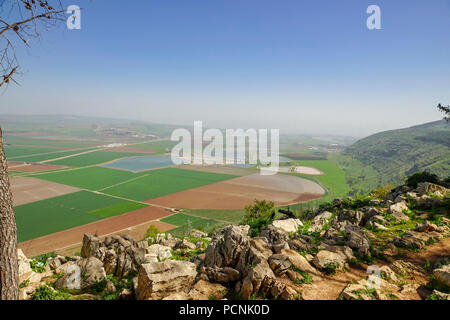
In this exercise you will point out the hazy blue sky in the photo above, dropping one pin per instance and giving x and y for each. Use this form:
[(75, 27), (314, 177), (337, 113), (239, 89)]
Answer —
[(305, 66)]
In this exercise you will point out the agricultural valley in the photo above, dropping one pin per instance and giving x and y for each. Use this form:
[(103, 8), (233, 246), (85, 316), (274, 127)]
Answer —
[(109, 178)]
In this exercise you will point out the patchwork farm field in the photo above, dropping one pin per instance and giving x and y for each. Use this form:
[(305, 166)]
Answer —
[(91, 178), (95, 187), (237, 193), (162, 182), (27, 190), (56, 214)]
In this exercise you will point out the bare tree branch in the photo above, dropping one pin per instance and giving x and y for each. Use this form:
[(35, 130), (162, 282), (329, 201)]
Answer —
[(29, 17)]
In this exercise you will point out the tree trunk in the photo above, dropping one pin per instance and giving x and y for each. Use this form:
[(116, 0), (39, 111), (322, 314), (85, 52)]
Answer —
[(9, 268)]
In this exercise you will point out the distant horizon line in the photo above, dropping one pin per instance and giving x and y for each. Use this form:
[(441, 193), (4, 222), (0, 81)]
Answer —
[(177, 125)]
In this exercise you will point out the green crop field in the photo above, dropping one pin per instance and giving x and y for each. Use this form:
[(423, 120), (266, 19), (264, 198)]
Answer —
[(162, 182), (333, 178), (44, 217), (94, 158), (92, 178), (229, 216), (54, 154), (13, 152)]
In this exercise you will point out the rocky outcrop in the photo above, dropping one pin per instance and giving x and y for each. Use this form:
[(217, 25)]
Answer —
[(120, 254), (442, 275), (82, 274), (226, 249), (157, 252), (25, 271), (320, 221), (426, 188), (159, 280)]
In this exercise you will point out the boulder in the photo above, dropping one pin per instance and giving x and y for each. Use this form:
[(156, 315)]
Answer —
[(279, 264), (320, 221), (397, 211), (198, 234), (428, 188), (352, 216), (165, 239), (405, 269), (82, 274), (351, 292), (55, 262), (299, 261), (159, 251), (426, 227), (287, 225), (274, 235), (414, 239), (325, 258), (357, 240), (427, 202), (299, 244), (91, 246), (226, 248), (222, 275), (388, 273), (92, 271), (441, 295), (161, 279), (443, 275), (184, 244)]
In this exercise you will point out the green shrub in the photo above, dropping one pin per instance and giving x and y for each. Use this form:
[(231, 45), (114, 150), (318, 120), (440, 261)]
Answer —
[(258, 216), (382, 192), (423, 176), (331, 268), (44, 292), (37, 266), (151, 232)]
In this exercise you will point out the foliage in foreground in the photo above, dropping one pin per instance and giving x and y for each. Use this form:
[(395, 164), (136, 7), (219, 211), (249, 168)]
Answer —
[(258, 216)]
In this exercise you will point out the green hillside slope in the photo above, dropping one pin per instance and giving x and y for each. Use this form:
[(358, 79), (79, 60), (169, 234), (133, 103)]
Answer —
[(388, 157)]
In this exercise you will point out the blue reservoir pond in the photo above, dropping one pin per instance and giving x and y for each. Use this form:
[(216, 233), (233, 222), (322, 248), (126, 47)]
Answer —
[(137, 164)]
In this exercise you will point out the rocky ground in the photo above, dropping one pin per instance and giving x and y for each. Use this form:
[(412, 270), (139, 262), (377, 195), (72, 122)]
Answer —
[(388, 247)]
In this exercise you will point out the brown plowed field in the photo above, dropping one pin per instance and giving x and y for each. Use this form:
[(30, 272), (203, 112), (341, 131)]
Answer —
[(134, 223), (27, 190), (25, 167), (237, 193), (219, 169)]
